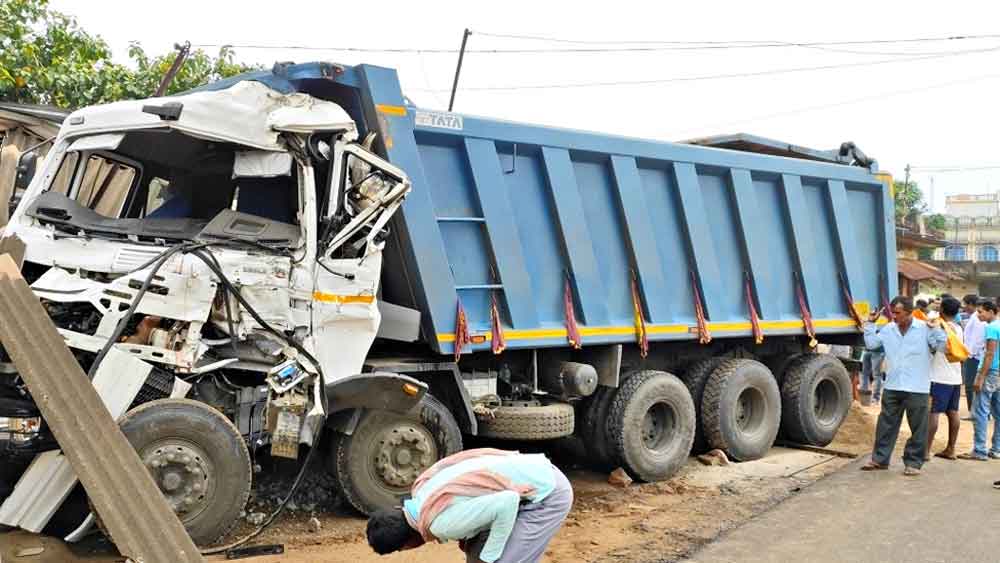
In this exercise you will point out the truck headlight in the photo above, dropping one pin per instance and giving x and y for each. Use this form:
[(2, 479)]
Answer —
[(19, 430)]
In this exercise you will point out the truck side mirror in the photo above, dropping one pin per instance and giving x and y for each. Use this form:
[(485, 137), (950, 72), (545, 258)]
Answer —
[(26, 165)]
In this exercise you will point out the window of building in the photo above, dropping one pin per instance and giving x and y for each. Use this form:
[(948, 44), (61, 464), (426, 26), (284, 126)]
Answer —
[(955, 253), (988, 253)]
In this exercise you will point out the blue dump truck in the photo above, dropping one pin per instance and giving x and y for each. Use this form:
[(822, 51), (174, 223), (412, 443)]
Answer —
[(652, 299)]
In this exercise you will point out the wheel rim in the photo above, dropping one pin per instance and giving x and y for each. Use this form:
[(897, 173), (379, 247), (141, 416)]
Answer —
[(659, 427), (826, 398), (750, 409), (403, 451), (184, 473)]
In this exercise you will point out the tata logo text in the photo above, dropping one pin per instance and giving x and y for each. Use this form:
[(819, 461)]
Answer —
[(439, 120)]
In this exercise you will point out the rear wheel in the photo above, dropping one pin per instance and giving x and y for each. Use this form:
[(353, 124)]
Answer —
[(695, 378), (387, 451), (816, 396), (593, 427), (197, 458), (651, 425), (741, 409)]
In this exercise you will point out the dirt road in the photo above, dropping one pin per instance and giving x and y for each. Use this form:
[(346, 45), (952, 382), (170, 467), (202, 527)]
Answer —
[(652, 522)]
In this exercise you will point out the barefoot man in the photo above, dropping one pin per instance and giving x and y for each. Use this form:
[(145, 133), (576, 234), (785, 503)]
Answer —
[(946, 385)]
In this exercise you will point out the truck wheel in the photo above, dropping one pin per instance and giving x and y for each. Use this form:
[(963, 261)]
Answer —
[(651, 424), (387, 451), (541, 422), (695, 378), (593, 427), (815, 398), (198, 459), (741, 409)]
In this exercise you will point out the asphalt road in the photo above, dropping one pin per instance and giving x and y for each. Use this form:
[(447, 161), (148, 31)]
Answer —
[(947, 514)]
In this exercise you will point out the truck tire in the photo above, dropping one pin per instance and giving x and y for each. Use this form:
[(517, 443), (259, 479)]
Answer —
[(741, 409), (651, 424), (198, 459), (543, 422), (377, 464), (695, 378), (815, 399), (593, 427)]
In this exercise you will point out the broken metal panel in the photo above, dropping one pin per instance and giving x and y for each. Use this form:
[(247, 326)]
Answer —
[(345, 311), (138, 518), (50, 478)]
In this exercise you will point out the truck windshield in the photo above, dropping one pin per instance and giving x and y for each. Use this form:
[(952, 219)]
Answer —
[(168, 175)]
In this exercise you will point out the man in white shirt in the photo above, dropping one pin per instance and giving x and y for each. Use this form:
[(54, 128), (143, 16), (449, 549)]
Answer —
[(946, 385), (975, 341)]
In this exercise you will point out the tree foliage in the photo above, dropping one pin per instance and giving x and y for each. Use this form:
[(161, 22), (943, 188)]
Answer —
[(909, 200), (47, 58)]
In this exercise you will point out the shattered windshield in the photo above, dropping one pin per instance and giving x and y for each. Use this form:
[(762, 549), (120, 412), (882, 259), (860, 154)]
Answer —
[(165, 184)]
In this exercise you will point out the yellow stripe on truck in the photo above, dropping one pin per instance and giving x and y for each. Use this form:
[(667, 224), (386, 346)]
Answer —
[(543, 333), (343, 299), (397, 111)]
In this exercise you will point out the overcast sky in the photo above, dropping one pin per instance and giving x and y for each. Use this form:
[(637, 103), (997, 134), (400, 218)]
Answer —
[(939, 110)]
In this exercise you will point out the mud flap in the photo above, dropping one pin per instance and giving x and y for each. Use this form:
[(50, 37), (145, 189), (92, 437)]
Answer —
[(378, 390)]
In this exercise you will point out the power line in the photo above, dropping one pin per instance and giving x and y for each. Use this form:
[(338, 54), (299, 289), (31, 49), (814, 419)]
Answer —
[(744, 43), (700, 78), (946, 169), (647, 46), (873, 97)]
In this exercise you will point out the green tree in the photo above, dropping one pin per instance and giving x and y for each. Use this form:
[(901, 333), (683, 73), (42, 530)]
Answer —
[(909, 200), (46, 58)]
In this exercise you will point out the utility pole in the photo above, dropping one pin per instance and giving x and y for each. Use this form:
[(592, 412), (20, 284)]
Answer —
[(182, 53), (458, 68)]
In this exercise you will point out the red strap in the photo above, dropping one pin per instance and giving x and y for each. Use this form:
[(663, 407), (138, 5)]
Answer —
[(704, 336), (462, 337), (641, 335), (804, 310), (758, 334), (886, 309), (850, 303), (572, 330), (499, 343)]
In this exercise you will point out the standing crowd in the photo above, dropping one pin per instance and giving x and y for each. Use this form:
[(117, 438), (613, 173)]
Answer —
[(918, 363)]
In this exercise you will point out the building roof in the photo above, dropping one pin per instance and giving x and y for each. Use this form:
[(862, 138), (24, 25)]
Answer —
[(909, 238), (919, 271)]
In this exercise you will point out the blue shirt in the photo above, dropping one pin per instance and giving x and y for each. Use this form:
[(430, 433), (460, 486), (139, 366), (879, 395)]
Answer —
[(993, 333), (909, 355), (467, 517)]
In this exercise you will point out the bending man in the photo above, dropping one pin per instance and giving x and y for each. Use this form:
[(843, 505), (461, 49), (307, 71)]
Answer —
[(501, 506)]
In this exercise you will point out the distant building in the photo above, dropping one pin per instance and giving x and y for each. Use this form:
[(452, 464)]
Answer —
[(973, 229), (972, 249)]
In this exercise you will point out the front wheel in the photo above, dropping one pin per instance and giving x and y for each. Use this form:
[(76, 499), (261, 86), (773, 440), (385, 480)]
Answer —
[(197, 458), (377, 464)]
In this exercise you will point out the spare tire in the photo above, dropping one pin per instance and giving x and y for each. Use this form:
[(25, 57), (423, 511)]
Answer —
[(593, 427), (741, 409), (695, 379), (543, 422), (651, 425), (815, 396)]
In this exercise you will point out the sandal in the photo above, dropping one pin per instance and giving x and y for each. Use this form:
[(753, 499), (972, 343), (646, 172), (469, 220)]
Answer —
[(872, 466), (911, 472), (943, 455), (972, 457)]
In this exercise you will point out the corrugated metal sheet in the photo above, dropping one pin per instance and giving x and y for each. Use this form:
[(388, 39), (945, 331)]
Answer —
[(140, 521)]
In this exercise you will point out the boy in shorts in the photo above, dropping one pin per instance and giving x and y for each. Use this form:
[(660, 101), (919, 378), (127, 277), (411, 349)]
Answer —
[(946, 385)]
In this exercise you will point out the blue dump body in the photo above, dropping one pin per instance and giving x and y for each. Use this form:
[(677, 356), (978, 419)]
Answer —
[(511, 211)]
